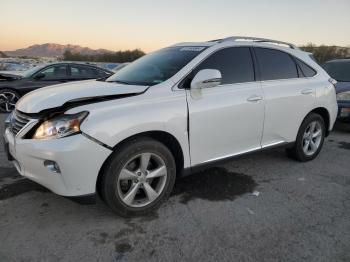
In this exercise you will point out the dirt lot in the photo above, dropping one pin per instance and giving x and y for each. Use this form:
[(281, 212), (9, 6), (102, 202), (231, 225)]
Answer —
[(263, 207)]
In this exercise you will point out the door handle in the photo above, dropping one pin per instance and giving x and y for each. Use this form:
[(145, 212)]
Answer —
[(307, 91), (254, 98)]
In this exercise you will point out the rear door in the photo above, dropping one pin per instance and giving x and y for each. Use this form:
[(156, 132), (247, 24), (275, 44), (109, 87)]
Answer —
[(227, 119), (81, 72), (289, 96)]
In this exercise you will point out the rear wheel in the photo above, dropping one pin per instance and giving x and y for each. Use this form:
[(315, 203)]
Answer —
[(8, 100), (138, 177), (310, 139)]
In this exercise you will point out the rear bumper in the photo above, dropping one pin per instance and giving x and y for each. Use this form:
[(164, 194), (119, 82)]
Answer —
[(79, 160)]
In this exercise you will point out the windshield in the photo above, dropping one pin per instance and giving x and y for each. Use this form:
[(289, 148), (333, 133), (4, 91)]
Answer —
[(156, 67), (340, 70), (31, 71)]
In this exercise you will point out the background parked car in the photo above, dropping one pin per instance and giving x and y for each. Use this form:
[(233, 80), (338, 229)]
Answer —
[(339, 69), (13, 85), (120, 66)]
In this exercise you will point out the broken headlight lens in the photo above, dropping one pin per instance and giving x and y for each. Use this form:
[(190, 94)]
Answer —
[(60, 126)]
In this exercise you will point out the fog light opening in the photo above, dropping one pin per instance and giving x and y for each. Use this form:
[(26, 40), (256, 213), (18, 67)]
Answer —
[(52, 166)]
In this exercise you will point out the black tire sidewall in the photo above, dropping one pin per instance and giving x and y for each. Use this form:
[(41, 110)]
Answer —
[(117, 162)]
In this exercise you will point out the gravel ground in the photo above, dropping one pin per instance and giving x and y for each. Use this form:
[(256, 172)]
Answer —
[(263, 207)]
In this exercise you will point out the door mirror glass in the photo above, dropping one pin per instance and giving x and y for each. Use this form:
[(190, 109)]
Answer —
[(206, 78), (39, 76)]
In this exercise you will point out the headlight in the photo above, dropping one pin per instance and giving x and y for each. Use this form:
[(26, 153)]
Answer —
[(343, 96), (60, 126)]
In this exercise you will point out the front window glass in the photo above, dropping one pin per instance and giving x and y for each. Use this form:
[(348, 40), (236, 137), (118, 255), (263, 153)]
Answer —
[(54, 72), (31, 71), (156, 67), (340, 71), (235, 65)]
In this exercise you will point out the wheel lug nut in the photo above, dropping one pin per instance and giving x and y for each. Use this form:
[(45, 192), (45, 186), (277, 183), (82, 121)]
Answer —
[(139, 173), (136, 181)]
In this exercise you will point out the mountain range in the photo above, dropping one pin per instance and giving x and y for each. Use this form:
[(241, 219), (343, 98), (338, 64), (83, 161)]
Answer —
[(53, 50)]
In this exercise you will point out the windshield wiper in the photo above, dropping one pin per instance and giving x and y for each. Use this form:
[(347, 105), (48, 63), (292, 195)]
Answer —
[(120, 82)]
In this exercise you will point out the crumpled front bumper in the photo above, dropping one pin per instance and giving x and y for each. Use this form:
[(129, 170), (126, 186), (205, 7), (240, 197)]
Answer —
[(79, 159)]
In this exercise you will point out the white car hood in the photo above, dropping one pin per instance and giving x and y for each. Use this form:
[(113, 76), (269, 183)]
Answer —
[(57, 95)]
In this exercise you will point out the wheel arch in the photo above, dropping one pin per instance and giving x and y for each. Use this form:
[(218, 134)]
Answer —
[(161, 136), (324, 113)]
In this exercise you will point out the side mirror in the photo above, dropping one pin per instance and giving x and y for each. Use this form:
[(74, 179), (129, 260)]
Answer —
[(206, 78), (39, 76)]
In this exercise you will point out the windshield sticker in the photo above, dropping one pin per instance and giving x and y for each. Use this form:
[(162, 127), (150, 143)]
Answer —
[(193, 48)]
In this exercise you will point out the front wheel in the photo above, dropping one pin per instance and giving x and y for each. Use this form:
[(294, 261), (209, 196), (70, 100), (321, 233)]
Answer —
[(8, 100), (309, 140), (138, 177)]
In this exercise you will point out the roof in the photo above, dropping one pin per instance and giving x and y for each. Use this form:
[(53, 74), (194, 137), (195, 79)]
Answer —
[(91, 64)]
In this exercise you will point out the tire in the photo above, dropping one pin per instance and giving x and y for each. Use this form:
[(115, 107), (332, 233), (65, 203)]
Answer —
[(126, 173), (8, 100), (307, 145)]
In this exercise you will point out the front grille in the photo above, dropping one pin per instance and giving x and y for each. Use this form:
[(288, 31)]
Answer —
[(18, 121)]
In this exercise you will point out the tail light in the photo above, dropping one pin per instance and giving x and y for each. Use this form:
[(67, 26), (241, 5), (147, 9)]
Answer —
[(332, 81)]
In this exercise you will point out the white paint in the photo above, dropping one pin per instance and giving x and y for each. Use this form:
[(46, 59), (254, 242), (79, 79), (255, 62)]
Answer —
[(224, 120)]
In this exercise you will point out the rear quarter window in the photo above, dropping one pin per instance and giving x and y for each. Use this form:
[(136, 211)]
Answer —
[(306, 71)]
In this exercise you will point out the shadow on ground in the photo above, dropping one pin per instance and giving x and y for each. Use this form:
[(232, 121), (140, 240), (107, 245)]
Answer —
[(17, 186), (214, 184)]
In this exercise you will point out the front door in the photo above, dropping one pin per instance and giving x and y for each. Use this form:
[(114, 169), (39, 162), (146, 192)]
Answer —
[(226, 120)]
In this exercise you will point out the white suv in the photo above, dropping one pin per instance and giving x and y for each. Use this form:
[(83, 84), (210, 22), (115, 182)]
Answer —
[(129, 136)]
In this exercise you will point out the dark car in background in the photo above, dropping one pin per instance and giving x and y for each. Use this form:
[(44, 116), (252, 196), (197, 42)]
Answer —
[(13, 85), (339, 69)]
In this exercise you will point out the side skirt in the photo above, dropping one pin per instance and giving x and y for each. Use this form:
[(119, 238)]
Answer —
[(200, 167)]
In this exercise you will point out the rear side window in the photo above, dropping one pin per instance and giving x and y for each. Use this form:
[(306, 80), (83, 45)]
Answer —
[(84, 72), (275, 64), (306, 71), (235, 65)]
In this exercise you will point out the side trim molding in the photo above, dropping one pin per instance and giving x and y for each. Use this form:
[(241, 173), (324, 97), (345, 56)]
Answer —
[(216, 161)]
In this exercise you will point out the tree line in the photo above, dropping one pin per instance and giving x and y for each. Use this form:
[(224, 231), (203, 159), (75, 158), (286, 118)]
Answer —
[(114, 57), (325, 53)]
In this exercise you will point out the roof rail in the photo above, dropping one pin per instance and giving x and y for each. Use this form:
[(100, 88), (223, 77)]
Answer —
[(254, 39)]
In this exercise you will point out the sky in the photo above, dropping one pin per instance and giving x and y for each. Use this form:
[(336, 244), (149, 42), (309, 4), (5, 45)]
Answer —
[(153, 24)]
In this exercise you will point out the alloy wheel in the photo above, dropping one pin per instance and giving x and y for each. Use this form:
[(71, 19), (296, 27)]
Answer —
[(142, 180), (312, 138), (8, 101)]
